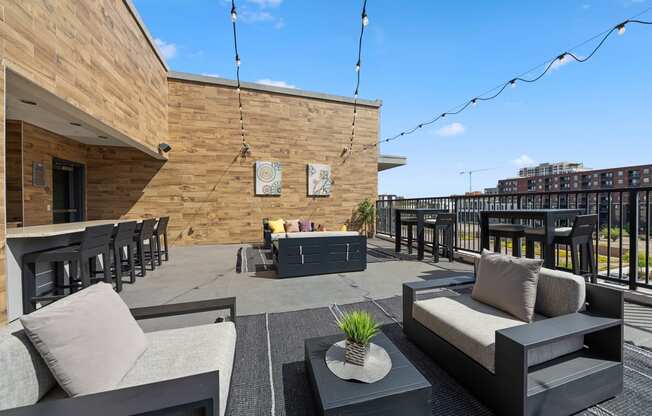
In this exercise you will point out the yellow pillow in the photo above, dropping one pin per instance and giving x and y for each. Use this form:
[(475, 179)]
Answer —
[(277, 226)]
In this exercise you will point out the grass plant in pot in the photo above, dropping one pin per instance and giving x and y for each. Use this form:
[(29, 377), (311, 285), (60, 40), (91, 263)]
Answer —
[(359, 327)]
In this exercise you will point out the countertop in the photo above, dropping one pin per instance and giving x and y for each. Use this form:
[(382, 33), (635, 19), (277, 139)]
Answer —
[(51, 230)]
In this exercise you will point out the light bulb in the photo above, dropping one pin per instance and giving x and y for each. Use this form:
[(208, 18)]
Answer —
[(443, 115), (621, 29), (365, 19), (512, 83), (237, 60), (474, 102), (234, 15), (562, 57), (237, 90), (357, 67)]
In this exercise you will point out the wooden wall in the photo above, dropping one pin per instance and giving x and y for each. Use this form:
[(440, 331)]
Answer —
[(209, 191), (40, 145), (92, 54)]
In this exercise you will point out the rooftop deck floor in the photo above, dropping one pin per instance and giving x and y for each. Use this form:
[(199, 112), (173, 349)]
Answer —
[(204, 272)]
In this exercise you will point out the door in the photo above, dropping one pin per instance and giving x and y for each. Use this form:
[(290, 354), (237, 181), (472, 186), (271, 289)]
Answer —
[(68, 191)]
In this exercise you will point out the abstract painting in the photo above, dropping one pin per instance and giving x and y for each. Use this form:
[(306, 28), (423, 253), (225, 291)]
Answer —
[(319, 180), (268, 178)]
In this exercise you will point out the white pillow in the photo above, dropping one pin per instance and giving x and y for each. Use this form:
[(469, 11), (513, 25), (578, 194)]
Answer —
[(89, 339)]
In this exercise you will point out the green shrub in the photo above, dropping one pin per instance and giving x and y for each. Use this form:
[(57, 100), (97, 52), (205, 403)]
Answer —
[(615, 233), (359, 326)]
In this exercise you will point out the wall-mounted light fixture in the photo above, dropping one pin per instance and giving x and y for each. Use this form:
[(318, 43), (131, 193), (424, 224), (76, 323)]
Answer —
[(74, 123), (28, 102), (164, 147), (103, 137)]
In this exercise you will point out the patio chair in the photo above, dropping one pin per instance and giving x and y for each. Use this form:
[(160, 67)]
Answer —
[(579, 238), (514, 232), (94, 242), (161, 231), (568, 359), (181, 371), (145, 232), (443, 224)]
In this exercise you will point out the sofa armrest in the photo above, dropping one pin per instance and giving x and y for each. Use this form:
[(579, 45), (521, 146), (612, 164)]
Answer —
[(200, 391), (549, 330), (411, 289), (159, 311)]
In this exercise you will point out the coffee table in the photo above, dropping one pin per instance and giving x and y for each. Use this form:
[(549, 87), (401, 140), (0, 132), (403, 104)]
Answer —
[(404, 391)]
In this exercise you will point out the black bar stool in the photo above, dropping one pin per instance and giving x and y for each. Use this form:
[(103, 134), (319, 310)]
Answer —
[(123, 237), (443, 224), (410, 222), (94, 242), (510, 231), (579, 238), (145, 232), (161, 230)]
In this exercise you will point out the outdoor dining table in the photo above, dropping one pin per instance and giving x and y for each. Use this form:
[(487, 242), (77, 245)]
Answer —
[(420, 214), (549, 218)]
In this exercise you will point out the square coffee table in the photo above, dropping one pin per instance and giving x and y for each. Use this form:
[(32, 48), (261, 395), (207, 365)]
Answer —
[(404, 391)]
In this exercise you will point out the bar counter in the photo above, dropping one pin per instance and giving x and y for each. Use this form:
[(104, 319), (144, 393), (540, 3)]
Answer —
[(36, 238)]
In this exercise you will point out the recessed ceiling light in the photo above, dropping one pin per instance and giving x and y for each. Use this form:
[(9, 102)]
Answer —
[(73, 123), (28, 102), (102, 137)]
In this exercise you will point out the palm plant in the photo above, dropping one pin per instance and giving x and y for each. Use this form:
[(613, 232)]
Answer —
[(365, 215)]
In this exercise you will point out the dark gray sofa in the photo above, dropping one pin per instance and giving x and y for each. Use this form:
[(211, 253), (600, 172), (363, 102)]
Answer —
[(553, 366)]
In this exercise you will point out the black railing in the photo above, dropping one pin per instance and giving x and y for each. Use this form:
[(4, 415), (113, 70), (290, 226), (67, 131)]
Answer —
[(622, 241)]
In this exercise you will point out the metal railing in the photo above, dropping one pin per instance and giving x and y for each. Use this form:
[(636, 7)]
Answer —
[(622, 239)]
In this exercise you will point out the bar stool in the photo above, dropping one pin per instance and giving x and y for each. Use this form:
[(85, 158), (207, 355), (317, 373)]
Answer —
[(411, 222), (511, 231), (145, 232), (579, 238), (443, 224), (94, 242), (123, 237), (161, 230)]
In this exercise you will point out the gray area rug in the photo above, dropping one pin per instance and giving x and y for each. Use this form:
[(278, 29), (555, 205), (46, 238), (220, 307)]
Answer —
[(280, 336)]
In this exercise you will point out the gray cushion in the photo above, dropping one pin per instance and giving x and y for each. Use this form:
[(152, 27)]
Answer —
[(471, 327), (559, 231), (24, 376), (508, 283), (89, 340), (186, 351), (559, 293)]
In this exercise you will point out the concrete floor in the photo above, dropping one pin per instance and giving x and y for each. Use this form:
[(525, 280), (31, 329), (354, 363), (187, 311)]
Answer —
[(205, 272)]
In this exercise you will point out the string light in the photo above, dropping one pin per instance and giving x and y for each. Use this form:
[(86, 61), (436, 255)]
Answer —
[(245, 149), (561, 58), (364, 21)]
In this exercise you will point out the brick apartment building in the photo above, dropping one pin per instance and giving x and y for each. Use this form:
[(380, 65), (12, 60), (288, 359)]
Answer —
[(581, 180)]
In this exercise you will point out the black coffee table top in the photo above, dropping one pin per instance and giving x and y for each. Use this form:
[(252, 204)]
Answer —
[(335, 393)]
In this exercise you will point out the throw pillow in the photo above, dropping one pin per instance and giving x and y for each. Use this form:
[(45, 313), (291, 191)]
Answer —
[(89, 340), (292, 226), (508, 283), (305, 225), (277, 226)]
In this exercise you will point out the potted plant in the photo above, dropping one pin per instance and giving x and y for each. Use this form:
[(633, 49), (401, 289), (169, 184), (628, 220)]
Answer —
[(365, 215), (359, 327)]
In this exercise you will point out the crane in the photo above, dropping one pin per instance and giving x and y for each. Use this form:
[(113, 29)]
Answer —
[(471, 172)]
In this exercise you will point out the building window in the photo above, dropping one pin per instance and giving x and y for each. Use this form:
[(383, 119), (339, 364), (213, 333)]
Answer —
[(646, 171), (620, 173), (646, 180)]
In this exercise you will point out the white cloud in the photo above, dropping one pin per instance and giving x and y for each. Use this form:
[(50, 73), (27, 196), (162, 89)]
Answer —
[(212, 75), (272, 83), (168, 50), (523, 161), (266, 3), (249, 16), (452, 129)]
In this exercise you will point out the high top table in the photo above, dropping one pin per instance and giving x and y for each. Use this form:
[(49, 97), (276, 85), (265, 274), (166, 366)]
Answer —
[(420, 214), (549, 217)]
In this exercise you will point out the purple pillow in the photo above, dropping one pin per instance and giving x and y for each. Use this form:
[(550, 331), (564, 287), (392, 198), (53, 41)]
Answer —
[(305, 225)]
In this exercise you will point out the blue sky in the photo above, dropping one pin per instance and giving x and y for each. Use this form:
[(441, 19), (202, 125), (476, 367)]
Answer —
[(424, 57)]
